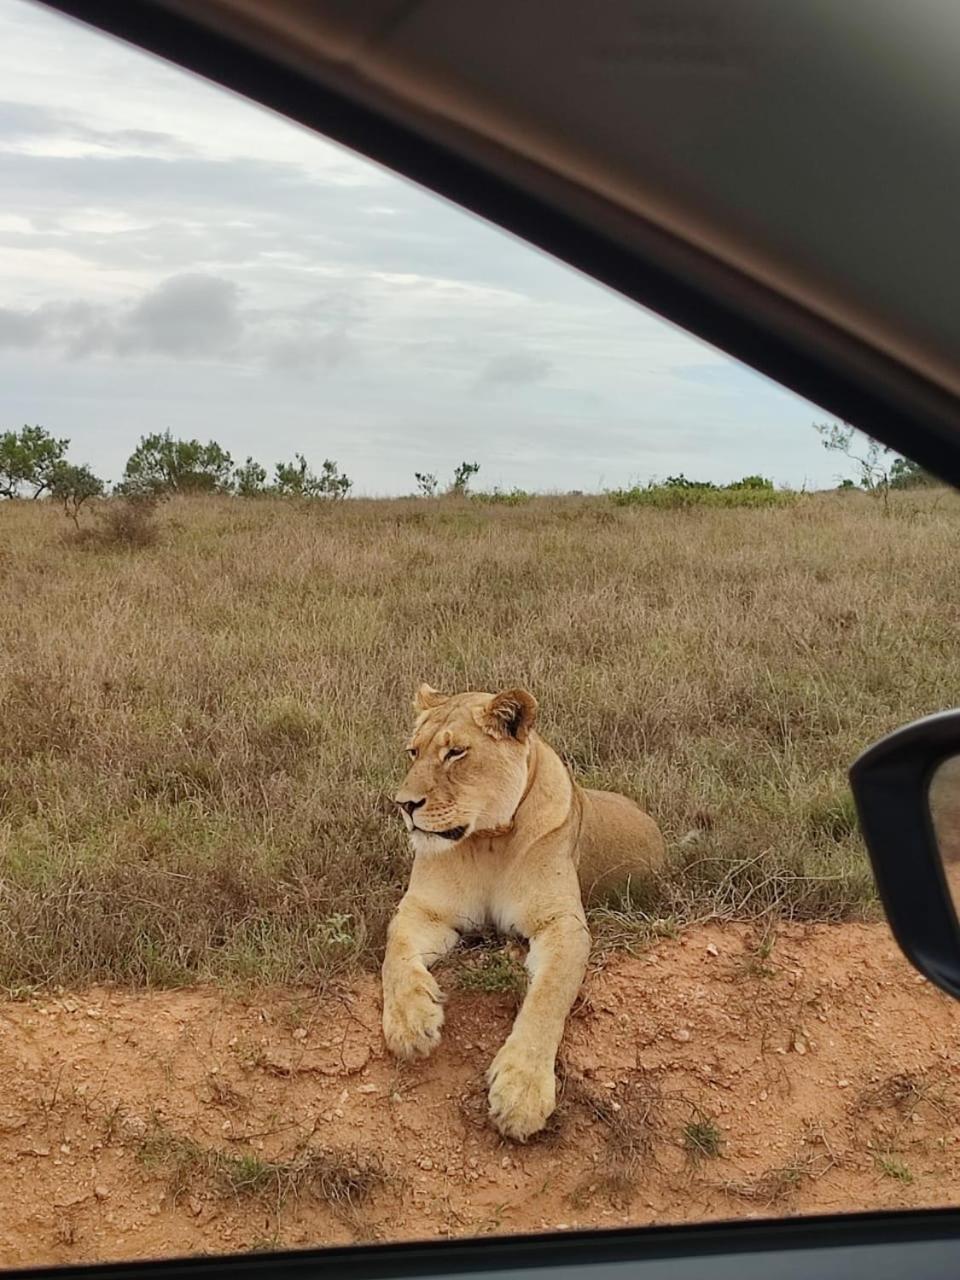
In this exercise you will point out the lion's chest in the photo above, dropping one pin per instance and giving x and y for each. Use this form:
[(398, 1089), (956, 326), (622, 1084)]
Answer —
[(475, 889), (504, 915), (499, 916), (485, 903)]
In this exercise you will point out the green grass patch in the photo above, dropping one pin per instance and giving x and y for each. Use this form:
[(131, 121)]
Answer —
[(702, 1139), (492, 973)]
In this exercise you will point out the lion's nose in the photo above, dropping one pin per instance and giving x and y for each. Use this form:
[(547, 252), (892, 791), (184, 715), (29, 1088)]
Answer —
[(411, 806)]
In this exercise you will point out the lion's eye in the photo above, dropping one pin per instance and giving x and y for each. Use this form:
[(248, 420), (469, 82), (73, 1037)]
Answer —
[(454, 753), (412, 752)]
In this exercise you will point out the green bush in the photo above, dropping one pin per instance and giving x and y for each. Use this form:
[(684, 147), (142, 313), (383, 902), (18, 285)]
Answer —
[(511, 498), (678, 492), (161, 465), (250, 480), (460, 484), (73, 486), (296, 480), (29, 458), (906, 474)]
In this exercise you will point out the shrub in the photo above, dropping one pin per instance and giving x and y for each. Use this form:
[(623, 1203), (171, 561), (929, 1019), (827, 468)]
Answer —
[(127, 522), (293, 479), (681, 482), (296, 480), (905, 474), (250, 480), (161, 465), (426, 483), (29, 458), (333, 484), (73, 487), (677, 492), (460, 483), (511, 498), (877, 476)]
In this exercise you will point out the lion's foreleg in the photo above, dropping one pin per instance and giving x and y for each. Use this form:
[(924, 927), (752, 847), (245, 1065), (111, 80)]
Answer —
[(412, 1001), (521, 1076)]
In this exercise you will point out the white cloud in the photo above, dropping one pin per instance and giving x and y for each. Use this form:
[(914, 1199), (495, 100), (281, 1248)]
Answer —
[(514, 369), (171, 256)]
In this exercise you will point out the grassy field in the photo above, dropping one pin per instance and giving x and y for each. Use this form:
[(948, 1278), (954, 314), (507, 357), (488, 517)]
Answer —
[(199, 738)]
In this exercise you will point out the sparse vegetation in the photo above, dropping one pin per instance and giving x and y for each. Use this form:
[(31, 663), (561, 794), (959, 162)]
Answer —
[(776, 1183), (631, 1120), (198, 742), (162, 466), (296, 480), (880, 469), (343, 1180), (125, 524), (508, 497), (426, 483), (757, 958), (702, 1139), (905, 474), (460, 484), (893, 1167), (493, 973)]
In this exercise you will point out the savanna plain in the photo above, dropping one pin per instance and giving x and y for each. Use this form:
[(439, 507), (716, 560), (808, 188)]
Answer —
[(202, 713)]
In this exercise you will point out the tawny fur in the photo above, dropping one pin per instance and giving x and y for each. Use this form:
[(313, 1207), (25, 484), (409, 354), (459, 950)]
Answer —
[(534, 847), (944, 799)]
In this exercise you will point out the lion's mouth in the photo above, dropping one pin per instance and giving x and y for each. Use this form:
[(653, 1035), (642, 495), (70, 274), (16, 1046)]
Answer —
[(452, 833)]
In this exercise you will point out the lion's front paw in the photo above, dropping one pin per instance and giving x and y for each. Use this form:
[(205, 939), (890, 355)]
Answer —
[(412, 1017), (523, 1091)]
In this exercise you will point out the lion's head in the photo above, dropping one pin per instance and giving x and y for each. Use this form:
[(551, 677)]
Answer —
[(470, 754)]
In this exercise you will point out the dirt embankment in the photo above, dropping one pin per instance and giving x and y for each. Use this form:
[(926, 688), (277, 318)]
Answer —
[(718, 1075)]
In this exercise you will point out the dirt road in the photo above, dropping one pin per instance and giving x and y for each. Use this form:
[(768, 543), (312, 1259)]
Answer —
[(719, 1074)]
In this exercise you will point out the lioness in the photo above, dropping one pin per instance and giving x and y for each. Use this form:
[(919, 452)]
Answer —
[(502, 835)]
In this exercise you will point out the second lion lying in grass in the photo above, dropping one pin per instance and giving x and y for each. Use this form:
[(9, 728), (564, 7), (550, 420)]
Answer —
[(502, 836)]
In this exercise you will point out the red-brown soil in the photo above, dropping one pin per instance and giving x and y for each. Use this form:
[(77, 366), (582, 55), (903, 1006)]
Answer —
[(819, 1074)]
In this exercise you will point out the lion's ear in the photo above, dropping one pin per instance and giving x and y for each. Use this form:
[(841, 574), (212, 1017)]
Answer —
[(510, 713), (426, 698)]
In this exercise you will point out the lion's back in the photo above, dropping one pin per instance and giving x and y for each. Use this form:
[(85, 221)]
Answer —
[(618, 845)]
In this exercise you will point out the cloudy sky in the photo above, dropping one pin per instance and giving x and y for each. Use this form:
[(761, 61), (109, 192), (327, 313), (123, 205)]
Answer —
[(172, 256)]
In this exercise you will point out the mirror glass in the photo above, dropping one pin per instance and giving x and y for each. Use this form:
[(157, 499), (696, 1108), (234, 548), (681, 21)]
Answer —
[(944, 797)]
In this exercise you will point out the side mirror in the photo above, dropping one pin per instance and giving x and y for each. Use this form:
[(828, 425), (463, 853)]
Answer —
[(907, 792)]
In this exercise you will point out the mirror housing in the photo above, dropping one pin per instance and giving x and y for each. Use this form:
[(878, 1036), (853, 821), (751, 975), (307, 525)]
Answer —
[(890, 783)]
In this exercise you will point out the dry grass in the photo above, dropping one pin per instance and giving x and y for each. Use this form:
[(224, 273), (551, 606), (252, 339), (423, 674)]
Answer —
[(631, 1118), (776, 1183), (198, 738), (342, 1180), (702, 1139), (491, 969), (122, 523), (893, 1167), (884, 1116)]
